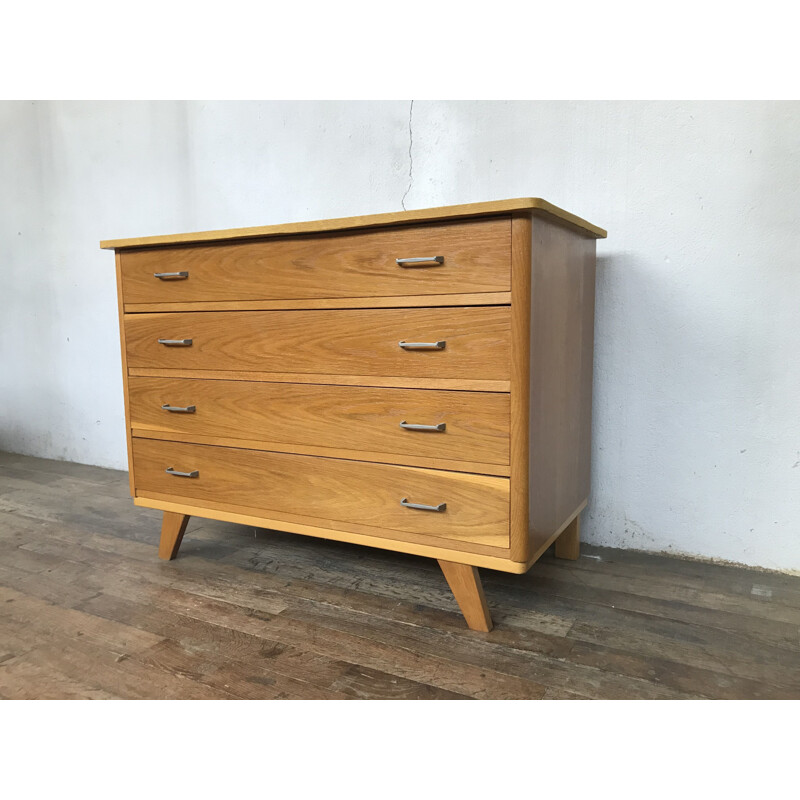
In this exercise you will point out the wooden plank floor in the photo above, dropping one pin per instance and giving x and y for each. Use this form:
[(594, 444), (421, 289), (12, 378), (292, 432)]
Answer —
[(87, 610)]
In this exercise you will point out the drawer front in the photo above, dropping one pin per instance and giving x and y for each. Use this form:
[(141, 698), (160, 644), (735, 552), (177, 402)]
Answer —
[(474, 256), (476, 506), (339, 342), (459, 426)]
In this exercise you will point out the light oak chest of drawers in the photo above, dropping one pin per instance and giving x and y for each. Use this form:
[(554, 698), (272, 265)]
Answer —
[(418, 381)]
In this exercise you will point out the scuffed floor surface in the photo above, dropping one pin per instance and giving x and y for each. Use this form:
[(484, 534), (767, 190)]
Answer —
[(87, 610)]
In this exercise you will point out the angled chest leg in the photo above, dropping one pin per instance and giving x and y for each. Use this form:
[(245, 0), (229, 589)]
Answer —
[(465, 584), (568, 544), (172, 530)]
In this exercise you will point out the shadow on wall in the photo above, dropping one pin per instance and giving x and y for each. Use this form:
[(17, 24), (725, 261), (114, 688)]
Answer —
[(669, 406)]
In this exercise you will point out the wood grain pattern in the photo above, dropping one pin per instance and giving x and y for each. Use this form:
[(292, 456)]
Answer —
[(323, 527), (481, 468), (520, 386), (294, 369), (406, 301), (358, 420), (568, 544), (124, 374), (495, 558), (477, 258), (389, 381), (173, 526), (330, 489), (542, 545), (561, 354), (466, 586), (362, 341), (261, 614), (533, 205)]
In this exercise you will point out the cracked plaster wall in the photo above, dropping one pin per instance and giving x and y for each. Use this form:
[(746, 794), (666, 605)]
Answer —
[(697, 366)]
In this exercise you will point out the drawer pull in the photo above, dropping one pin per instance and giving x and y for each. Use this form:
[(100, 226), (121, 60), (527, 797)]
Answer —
[(421, 507), (171, 275), (442, 426), (176, 342), (172, 471), (429, 261), (180, 409), (422, 345)]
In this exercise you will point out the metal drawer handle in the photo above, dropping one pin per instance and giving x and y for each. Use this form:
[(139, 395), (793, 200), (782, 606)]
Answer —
[(172, 471), (418, 262), (411, 427), (422, 345), (174, 275), (421, 507), (176, 342), (181, 409)]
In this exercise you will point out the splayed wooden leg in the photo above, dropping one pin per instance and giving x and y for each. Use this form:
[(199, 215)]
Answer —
[(568, 544), (466, 585), (172, 529)]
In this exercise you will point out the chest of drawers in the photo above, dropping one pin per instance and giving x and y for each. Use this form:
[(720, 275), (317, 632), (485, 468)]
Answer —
[(417, 381)]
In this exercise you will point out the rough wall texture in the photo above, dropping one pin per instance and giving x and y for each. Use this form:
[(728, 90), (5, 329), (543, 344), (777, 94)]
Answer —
[(697, 365)]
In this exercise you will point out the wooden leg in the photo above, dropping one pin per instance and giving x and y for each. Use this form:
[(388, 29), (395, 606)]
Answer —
[(466, 586), (172, 529), (568, 544)]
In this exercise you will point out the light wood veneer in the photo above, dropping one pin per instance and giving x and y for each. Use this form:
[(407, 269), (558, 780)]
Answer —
[(476, 257), (346, 492), (365, 422), (287, 404), (347, 341)]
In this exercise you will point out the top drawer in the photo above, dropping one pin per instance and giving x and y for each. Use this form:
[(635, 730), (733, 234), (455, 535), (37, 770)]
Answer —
[(473, 256)]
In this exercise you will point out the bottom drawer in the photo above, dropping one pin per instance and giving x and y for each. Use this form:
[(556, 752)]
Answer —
[(476, 507)]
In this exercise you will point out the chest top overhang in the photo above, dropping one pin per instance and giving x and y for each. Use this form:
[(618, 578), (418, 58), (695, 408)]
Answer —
[(530, 205)]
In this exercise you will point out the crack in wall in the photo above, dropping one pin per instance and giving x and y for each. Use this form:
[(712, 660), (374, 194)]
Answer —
[(410, 156)]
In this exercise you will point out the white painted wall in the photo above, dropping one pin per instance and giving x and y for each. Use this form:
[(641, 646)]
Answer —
[(696, 412)]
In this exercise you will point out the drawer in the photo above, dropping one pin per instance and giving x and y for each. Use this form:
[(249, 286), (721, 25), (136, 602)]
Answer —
[(459, 426), (474, 342), (475, 256), (476, 507)]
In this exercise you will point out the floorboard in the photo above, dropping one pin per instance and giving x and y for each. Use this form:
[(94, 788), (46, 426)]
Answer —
[(88, 611)]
